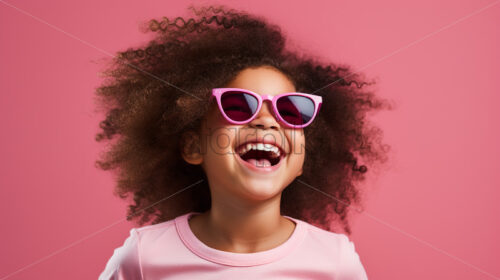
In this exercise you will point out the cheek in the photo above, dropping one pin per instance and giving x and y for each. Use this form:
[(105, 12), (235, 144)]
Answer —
[(298, 142), (219, 143), (218, 136), (299, 151)]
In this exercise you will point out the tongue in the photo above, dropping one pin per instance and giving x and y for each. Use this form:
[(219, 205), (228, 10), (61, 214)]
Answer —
[(259, 163)]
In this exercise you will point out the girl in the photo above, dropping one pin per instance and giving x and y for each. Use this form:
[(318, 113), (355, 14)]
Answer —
[(242, 150)]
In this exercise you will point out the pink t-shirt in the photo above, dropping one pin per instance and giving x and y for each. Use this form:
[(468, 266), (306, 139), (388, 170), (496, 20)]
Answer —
[(170, 250)]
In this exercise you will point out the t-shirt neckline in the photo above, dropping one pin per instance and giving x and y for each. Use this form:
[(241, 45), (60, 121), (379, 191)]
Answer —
[(237, 259)]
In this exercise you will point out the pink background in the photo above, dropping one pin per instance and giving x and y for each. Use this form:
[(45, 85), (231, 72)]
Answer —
[(434, 214)]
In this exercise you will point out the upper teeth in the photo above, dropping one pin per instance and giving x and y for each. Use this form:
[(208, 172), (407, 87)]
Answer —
[(260, 146)]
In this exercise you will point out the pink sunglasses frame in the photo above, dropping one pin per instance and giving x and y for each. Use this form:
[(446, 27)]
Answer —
[(317, 100)]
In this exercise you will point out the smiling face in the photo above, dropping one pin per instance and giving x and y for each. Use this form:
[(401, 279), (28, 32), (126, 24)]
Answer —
[(248, 178)]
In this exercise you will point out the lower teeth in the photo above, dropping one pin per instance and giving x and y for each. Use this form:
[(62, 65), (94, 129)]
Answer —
[(259, 163)]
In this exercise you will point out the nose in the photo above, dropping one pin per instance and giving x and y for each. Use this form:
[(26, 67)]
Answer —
[(265, 118)]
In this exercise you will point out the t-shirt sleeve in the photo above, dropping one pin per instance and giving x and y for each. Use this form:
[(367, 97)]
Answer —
[(351, 268), (124, 264)]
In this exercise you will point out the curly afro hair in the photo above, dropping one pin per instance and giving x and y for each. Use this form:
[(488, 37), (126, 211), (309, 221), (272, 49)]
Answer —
[(151, 95)]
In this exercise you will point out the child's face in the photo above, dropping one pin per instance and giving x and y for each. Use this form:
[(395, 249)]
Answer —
[(228, 176)]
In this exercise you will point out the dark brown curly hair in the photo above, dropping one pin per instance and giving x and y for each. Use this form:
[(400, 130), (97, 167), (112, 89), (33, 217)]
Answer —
[(151, 95)]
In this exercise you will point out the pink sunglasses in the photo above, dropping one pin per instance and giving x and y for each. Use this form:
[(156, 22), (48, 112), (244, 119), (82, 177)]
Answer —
[(240, 106)]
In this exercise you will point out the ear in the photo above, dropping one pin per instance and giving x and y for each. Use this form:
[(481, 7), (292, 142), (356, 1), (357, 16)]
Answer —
[(190, 146)]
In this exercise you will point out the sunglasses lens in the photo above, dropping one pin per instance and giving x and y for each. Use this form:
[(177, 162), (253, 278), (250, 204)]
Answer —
[(295, 109), (239, 106)]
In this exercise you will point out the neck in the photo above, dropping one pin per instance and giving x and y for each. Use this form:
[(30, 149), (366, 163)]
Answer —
[(245, 228)]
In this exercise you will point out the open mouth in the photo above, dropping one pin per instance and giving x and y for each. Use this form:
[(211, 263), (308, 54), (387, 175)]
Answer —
[(260, 154)]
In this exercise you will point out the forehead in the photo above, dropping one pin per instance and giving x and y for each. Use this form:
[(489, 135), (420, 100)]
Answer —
[(262, 80)]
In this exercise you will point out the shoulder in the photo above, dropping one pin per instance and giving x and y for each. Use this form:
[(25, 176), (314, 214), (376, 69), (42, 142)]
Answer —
[(156, 229), (125, 263), (332, 240), (342, 250)]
